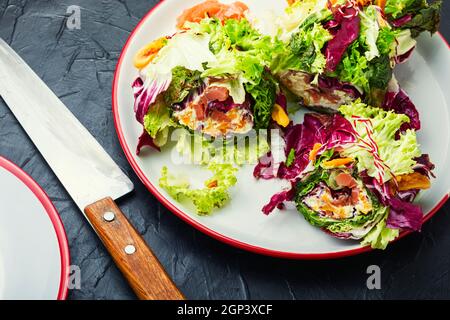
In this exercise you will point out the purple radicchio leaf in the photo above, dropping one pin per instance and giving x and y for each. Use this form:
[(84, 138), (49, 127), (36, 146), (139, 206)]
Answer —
[(145, 93)]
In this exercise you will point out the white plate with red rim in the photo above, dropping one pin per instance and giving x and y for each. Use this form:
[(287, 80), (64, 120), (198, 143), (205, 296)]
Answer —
[(426, 77), (34, 254)]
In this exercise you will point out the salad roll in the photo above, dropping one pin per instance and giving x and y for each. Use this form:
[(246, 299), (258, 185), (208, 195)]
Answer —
[(211, 77), (356, 174), (342, 50)]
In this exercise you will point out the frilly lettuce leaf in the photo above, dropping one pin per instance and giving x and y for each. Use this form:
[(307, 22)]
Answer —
[(428, 19), (380, 236), (398, 8), (307, 44), (242, 56), (353, 67), (369, 31), (183, 81), (397, 153), (386, 42), (157, 122), (240, 50), (196, 148), (215, 194), (264, 94), (422, 15)]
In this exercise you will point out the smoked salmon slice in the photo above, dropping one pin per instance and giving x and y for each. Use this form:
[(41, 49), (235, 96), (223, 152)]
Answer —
[(346, 180), (212, 9)]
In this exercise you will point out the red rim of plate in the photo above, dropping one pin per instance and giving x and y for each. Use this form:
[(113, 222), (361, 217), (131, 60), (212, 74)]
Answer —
[(54, 218), (169, 205)]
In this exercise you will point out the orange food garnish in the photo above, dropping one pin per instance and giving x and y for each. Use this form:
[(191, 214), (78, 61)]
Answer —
[(219, 117), (241, 125), (314, 151), (338, 162), (364, 2), (413, 181), (280, 116), (381, 4), (148, 53), (213, 184), (212, 9), (232, 114)]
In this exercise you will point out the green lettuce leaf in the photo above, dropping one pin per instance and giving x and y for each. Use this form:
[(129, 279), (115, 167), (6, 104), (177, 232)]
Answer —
[(386, 41), (183, 81), (264, 96), (297, 13), (369, 31), (304, 49), (367, 62), (428, 19), (380, 72), (307, 45), (290, 158), (399, 8), (215, 195), (241, 51), (242, 57), (425, 16), (362, 223), (353, 67), (157, 122), (235, 64), (397, 153), (366, 74), (380, 236)]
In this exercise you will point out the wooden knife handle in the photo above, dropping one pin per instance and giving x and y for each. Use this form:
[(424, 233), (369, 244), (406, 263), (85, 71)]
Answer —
[(133, 257)]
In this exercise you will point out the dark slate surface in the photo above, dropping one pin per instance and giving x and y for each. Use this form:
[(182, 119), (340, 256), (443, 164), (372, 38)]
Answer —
[(79, 65)]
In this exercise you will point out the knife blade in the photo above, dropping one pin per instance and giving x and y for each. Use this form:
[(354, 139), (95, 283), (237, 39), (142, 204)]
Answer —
[(87, 172), (74, 155)]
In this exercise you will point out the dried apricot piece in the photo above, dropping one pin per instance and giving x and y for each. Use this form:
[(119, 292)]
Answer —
[(280, 116), (146, 54)]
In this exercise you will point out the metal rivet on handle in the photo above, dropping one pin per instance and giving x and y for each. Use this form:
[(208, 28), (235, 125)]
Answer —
[(130, 249), (109, 216)]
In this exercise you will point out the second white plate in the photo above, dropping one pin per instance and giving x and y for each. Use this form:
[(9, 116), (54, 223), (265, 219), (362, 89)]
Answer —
[(34, 255)]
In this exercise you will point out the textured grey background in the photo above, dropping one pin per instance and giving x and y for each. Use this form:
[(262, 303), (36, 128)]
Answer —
[(79, 66)]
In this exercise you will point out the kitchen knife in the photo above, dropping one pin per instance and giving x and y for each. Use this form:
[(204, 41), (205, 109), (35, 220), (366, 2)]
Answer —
[(87, 172)]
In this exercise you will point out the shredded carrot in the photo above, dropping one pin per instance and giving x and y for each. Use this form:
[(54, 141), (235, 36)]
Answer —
[(314, 151), (338, 162), (213, 184)]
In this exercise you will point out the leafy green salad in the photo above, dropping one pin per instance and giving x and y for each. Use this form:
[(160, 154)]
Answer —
[(219, 88)]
